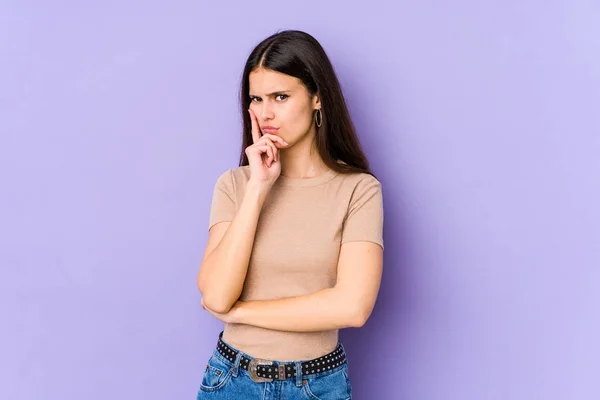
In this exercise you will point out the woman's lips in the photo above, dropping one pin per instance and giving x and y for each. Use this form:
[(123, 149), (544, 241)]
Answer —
[(270, 130)]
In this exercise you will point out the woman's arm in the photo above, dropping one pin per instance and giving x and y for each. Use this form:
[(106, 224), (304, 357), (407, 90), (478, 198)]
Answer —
[(323, 310), (348, 304), (225, 263), (227, 254)]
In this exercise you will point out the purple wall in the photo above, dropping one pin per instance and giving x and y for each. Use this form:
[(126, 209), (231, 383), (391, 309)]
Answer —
[(481, 121)]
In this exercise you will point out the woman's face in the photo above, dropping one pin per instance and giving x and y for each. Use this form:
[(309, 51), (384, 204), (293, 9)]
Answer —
[(282, 101)]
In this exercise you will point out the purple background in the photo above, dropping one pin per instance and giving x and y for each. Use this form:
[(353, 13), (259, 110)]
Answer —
[(480, 119)]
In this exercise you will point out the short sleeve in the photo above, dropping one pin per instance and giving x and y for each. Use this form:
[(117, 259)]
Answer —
[(223, 200), (364, 220)]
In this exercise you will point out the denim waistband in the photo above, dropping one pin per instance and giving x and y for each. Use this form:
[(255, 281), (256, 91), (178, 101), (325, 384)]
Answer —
[(322, 365)]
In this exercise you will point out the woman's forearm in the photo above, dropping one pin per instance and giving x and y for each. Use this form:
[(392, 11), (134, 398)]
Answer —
[(323, 310)]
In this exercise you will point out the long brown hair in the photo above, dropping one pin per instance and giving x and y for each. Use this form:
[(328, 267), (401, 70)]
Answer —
[(298, 54)]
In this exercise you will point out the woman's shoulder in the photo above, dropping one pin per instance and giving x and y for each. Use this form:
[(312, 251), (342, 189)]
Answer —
[(358, 178), (241, 173), (234, 176), (359, 184)]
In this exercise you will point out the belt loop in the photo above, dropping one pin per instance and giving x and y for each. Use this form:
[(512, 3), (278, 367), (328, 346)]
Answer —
[(236, 363), (298, 373)]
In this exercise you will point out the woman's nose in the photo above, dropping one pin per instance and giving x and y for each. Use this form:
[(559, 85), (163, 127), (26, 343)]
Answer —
[(266, 111)]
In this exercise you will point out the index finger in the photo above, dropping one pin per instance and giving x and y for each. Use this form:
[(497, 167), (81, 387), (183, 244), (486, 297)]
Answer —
[(255, 130)]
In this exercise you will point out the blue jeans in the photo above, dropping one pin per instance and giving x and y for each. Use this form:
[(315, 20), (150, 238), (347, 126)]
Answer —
[(226, 380)]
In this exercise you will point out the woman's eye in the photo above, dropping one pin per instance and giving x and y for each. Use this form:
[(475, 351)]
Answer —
[(281, 96)]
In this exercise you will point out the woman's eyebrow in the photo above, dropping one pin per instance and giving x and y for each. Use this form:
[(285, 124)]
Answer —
[(272, 93)]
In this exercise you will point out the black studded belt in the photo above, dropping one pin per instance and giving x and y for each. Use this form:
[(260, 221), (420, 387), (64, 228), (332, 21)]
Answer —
[(261, 370)]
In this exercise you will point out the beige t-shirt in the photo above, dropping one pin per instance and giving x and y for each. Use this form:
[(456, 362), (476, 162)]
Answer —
[(300, 230)]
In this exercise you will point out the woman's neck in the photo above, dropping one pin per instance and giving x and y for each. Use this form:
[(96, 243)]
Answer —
[(302, 162)]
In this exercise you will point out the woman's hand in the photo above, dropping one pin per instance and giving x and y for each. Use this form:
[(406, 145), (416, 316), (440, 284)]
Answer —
[(263, 155)]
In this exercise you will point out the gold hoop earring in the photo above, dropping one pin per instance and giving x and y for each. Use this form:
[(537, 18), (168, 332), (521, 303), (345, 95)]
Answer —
[(318, 118)]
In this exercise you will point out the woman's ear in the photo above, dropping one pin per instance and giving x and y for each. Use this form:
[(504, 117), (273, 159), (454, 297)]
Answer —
[(316, 101)]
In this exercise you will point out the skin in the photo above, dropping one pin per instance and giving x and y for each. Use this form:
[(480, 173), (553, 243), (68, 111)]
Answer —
[(291, 152), (282, 101)]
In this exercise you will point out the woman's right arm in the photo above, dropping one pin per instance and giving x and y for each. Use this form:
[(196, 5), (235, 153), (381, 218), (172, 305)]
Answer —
[(227, 255)]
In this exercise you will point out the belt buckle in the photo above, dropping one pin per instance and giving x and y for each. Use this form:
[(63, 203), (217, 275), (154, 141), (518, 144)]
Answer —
[(252, 369)]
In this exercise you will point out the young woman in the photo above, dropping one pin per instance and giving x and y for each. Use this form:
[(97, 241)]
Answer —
[(295, 246)]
